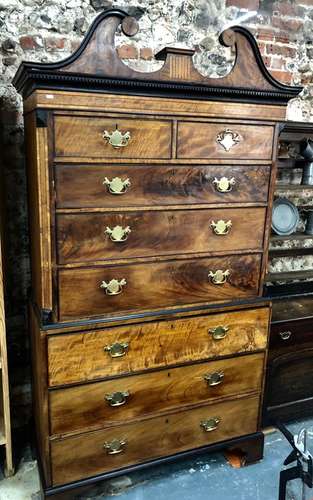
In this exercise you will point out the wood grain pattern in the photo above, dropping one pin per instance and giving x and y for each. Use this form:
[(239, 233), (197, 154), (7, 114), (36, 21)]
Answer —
[(153, 285), (82, 238), (83, 456), (80, 357), (83, 137), (84, 407), (199, 140)]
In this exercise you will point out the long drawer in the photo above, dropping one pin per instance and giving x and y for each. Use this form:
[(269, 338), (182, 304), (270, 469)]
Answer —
[(111, 289), (148, 185), (89, 237), (95, 452), (109, 402), (78, 357)]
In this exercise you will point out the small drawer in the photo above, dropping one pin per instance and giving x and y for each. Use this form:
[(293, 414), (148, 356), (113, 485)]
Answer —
[(215, 140), (119, 288), (79, 357), (90, 237), (91, 186), (92, 453), (127, 398), (286, 335), (92, 137)]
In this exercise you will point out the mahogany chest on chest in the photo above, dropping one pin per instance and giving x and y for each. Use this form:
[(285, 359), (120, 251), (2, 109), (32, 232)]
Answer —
[(149, 198)]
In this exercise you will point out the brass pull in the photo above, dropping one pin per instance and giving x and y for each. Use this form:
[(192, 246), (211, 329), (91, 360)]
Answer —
[(116, 138), (219, 332), (219, 277), (228, 138), (114, 287), (117, 350), (118, 233), (211, 424), (115, 446), (224, 185), (285, 335), (221, 227), (117, 398), (116, 185), (214, 378)]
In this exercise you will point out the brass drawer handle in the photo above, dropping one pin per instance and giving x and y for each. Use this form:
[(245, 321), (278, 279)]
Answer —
[(117, 350), (228, 138), (211, 424), (285, 335), (117, 398), (224, 185), (116, 139), (214, 378), (114, 287), (117, 185), (221, 227), (219, 332), (118, 233), (219, 277), (115, 446)]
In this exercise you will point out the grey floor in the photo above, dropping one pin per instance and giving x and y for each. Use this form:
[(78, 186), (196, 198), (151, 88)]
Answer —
[(201, 478)]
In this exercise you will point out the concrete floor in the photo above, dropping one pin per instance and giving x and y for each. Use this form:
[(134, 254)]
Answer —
[(201, 478)]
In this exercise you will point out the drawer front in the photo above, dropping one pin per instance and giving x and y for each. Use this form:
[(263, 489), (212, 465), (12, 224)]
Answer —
[(215, 140), (112, 289), (89, 406), (90, 237), (83, 137), (88, 356), (88, 454), (93, 186), (285, 336)]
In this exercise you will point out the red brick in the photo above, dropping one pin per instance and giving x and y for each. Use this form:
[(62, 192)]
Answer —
[(278, 63), (28, 42), (146, 53), (55, 43), (292, 25), (282, 76), (266, 34), (284, 8), (280, 50), (244, 4), (127, 52)]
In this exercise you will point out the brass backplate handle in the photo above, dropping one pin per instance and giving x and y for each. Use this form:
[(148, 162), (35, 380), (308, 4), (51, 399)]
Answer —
[(221, 227), (214, 378), (224, 185), (114, 287), (219, 332), (116, 138), (219, 277), (117, 185), (118, 398), (211, 424), (117, 350), (118, 234), (285, 335), (115, 446), (228, 139)]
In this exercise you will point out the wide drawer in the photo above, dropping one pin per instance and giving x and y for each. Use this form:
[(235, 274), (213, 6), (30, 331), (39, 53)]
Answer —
[(285, 336), (79, 357), (148, 185), (89, 237), (123, 399), (113, 289), (92, 453), (215, 140), (83, 137)]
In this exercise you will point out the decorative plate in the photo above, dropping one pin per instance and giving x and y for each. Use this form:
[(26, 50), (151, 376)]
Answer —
[(285, 217)]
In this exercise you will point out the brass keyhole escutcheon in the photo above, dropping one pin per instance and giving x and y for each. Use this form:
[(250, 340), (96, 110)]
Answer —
[(114, 287), (115, 446), (224, 185), (116, 138), (221, 227), (219, 332), (117, 185), (219, 277), (118, 398), (211, 424), (117, 350), (118, 234), (215, 378)]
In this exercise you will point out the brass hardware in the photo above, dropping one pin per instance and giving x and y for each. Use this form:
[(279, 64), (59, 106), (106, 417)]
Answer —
[(116, 138), (118, 233), (117, 350), (219, 332), (211, 424), (115, 446), (214, 378), (221, 227), (228, 138), (285, 335), (224, 185), (219, 277), (116, 185), (114, 287), (117, 398)]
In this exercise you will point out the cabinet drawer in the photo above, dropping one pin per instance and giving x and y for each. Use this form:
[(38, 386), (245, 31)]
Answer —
[(88, 406), (146, 185), (215, 140), (113, 289), (287, 335), (89, 237), (79, 357), (86, 455), (82, 137)]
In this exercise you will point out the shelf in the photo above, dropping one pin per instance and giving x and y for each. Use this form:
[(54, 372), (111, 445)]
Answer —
[(287, 252), (292, 237), (289, 276), (293, 187)]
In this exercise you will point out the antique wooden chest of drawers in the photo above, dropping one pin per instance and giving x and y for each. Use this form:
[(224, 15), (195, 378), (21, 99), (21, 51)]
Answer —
[(150, 199)]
